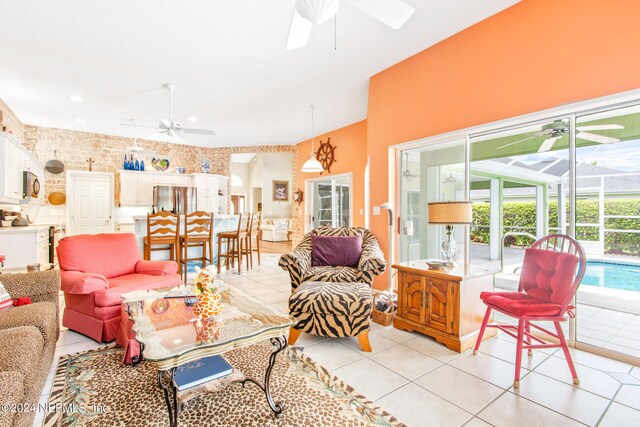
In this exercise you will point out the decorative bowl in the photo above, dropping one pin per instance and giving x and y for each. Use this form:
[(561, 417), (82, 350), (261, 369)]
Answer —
[(436, 264), (160, 164)]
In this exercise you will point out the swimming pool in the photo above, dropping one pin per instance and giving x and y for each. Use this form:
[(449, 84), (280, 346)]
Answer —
[(612, 275)]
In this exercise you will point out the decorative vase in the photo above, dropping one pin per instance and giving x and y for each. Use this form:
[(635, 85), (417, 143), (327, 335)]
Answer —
[(141, 165), (137, 165), (205, 166)]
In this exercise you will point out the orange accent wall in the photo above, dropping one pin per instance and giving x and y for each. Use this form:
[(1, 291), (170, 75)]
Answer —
[(351, 156), (535, 55)]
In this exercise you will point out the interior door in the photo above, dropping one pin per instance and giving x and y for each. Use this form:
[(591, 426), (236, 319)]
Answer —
[(90, 210)]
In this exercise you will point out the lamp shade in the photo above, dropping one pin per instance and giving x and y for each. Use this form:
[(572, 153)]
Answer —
[(312, 165), (449, 213)]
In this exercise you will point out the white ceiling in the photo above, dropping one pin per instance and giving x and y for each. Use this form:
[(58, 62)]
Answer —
[(227, 59)]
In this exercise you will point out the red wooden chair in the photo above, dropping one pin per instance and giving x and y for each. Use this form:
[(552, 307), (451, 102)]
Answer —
[(548, 282)]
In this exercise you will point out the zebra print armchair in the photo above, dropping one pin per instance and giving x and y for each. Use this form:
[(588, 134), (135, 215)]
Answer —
[(333, 301), (298, 261)]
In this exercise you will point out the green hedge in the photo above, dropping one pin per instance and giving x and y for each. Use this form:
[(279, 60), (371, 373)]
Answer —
[(521, 216)]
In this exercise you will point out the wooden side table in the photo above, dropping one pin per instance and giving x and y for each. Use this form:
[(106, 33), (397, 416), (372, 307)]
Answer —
[(443, 304)]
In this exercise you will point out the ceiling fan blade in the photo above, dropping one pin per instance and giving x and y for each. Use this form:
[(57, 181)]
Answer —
[(138, 125), (299, 31), (115, 149), (599, 127), (516, 142), (393, 13), (596, 138), (548, 144), (198, 131)]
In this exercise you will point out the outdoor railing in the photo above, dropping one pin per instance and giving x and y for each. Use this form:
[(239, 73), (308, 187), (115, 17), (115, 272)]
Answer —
[(511, 233)]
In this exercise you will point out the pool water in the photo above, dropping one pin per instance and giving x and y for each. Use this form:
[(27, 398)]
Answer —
[(612, 275)]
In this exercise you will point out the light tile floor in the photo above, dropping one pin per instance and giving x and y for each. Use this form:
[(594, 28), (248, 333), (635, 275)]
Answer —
[(423, 383)]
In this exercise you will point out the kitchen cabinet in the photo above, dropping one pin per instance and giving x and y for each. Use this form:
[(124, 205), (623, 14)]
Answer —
[(24, 246), (444, 304), (12, 161), (136, 188), (209, 188)]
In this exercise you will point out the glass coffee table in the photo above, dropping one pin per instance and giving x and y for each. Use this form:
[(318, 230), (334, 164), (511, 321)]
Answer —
[(170, 335)]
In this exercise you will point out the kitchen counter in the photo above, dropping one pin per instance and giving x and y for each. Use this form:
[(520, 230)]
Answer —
[(22, 230)]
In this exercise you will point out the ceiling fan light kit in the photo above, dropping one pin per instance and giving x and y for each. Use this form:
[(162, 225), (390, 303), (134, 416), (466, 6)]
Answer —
[(555, 130), (317, 11), (312, 165), (308, 13)]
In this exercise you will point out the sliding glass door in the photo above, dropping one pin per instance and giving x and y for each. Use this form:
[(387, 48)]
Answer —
[(330, 201), (576, 174), (608, 227)]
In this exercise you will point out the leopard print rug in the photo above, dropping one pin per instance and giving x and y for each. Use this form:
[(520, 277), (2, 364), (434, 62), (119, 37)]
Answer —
[(114, 395)]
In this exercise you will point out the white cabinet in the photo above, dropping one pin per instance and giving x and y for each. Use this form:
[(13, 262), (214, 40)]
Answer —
[(14, 160), (209, 189), (42, 246), (136, 188)]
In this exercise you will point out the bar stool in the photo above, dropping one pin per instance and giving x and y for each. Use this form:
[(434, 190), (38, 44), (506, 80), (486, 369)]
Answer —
[(233, 241), (255, 232), (162, 229), (198, 233)]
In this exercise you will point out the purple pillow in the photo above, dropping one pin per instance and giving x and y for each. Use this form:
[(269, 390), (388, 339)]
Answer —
[(336, 251)]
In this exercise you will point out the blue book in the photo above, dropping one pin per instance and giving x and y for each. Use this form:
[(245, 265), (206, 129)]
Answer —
[(201, 371)]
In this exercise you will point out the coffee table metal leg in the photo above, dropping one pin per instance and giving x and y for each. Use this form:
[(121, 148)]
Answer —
[(279, 344), (170, 395)]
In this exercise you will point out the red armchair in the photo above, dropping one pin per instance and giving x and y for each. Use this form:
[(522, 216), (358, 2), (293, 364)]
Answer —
[(95, 270)]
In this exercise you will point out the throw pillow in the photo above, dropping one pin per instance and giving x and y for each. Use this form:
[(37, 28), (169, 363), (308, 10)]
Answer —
[(548, 275), (5, 298), (336, 251)]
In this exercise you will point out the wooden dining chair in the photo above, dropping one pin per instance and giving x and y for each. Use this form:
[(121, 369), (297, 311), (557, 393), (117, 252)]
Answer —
[(255, 233), (198, 233), (233, 241), (162, 235)]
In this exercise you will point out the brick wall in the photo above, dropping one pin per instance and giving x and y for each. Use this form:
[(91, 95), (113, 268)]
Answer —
[(10, 120), (74, 148)]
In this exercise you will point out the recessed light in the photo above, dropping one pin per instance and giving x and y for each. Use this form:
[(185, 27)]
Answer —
[(80, 121), (75, 98), (192, 119)]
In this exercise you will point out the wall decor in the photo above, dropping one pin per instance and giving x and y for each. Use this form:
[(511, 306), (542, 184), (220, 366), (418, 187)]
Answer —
[(280, 191), (298, 196), (326, 155)]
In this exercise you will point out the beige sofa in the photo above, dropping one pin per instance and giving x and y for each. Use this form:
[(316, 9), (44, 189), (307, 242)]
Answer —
[(276, 229), (28, 336)]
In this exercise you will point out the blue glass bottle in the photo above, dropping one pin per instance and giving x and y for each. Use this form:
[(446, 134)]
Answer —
[(124, 164), (142, 165), (137, 165)]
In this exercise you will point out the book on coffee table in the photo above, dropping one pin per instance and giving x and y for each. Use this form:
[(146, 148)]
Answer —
[(201, 371)]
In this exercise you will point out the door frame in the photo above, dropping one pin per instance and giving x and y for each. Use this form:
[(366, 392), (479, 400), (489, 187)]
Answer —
[(308, 203), (73, 175)]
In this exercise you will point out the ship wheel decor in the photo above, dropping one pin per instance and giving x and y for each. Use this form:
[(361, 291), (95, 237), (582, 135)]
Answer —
[(326, 155)]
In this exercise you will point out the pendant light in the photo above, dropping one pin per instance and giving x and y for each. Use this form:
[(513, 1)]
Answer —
[(312, 165)]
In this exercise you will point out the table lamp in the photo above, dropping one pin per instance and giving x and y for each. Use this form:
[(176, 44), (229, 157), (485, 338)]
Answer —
[(449, 213)]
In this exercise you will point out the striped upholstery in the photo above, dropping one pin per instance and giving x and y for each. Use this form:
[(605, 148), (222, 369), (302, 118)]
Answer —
[(298, 261), (331, 309), (333, 301)]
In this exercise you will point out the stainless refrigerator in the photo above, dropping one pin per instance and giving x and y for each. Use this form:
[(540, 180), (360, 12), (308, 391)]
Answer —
[(179, 200)]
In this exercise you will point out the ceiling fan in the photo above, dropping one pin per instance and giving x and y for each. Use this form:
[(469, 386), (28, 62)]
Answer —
[(170, 128), (308, 13), (135, 148), (558, 128)]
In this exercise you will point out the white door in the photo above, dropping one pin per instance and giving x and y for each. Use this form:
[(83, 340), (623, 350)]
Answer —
[(91, 205)]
